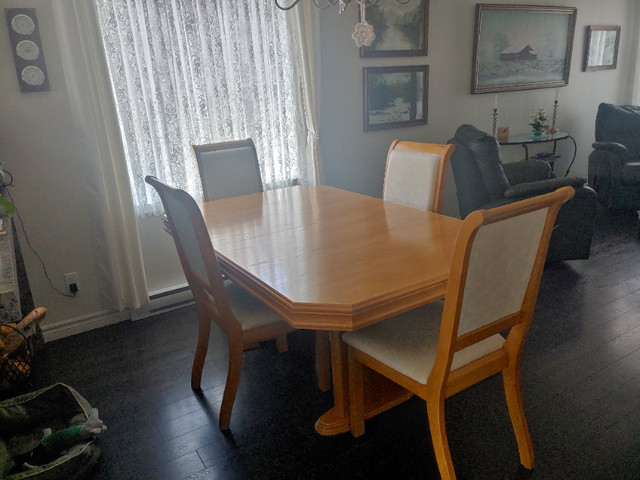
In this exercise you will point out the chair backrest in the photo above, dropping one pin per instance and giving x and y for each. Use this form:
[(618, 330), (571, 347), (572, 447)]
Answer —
[(495, 275), (619, 124), (470, 189), (197, 256), (228, 169), (414, 174), (477, 169)]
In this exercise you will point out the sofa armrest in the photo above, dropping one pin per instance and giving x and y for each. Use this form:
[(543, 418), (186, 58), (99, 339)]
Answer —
[(531, 189), (529, 171), (613, 147)]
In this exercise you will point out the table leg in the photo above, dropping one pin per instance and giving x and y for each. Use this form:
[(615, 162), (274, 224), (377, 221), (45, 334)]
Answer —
[(336, 420), (553, 156), (380, 394), (323, 360)]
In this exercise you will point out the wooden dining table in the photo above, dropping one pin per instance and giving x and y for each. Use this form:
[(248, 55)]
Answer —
[(330, 259)]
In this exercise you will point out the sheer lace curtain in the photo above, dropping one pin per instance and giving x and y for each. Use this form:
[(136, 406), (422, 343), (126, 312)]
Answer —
[(189, 72)]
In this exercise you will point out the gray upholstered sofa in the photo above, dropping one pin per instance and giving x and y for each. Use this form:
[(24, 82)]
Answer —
[(483, 181), (614, 164)]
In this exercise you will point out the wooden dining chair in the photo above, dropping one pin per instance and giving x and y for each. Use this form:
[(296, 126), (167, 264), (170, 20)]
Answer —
[(445, 347), (229, 169), (414, 174), (244, 320)]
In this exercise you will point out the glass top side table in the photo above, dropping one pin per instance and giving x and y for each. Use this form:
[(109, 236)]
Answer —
[(529, 139)]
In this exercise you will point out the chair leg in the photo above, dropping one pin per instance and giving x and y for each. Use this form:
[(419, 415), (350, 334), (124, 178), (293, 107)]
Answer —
[(511, 381), (356, 396), (435, 412), (236, 360), (204, 330), (323, 361), (281, 344)]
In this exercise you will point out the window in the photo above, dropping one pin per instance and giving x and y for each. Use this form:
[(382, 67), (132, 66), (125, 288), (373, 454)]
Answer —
[(189, 72)]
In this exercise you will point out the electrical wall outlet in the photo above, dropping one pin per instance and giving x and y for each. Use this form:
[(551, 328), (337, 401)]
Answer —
[(71, 279)]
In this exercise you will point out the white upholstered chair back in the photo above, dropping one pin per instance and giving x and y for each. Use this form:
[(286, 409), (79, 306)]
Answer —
[(501, 263), (228, 169), (414, 174), (192, 241)]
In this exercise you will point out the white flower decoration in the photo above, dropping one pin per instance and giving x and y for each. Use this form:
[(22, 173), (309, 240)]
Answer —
[(363, 34)]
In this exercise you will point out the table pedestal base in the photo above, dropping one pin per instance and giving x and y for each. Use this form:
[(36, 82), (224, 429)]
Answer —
[(380, 394)]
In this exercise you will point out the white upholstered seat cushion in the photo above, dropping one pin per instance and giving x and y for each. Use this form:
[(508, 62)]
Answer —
[(249, 311), (408, 342)]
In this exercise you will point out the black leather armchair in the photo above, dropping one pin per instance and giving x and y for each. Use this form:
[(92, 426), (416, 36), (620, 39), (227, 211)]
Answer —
[(483, 181), (614, 164)]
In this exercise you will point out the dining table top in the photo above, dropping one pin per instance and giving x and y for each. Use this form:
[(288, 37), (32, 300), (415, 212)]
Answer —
[(330, 259)]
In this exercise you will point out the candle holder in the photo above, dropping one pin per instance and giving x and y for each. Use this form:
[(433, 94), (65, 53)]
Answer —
[(495, 119), (553, 128)]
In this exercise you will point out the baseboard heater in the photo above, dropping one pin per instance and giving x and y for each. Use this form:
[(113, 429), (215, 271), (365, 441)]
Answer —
[(165, 301)]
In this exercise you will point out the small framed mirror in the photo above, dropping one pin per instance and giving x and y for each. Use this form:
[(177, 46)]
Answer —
[(601, 47)]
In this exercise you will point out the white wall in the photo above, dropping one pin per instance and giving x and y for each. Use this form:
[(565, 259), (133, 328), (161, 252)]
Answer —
[(53, 185), (53, 181)]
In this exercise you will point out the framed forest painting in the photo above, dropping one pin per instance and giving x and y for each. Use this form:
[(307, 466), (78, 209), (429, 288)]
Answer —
[(401, 28), (395, 96)]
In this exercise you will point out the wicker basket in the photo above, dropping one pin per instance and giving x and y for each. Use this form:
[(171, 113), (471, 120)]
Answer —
[(15, 368)]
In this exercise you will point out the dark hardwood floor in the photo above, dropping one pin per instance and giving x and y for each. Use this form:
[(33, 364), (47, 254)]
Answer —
[(581, 386)]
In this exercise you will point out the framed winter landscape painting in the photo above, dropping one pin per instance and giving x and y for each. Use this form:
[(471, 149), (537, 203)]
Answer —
[(520, 47), (395, 96), (401, 28)]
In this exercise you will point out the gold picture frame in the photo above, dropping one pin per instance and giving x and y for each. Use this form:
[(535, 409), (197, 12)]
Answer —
[(521, 47)]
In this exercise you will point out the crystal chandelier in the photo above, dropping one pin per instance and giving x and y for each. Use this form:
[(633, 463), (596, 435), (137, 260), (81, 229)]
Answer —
[(363, 33)]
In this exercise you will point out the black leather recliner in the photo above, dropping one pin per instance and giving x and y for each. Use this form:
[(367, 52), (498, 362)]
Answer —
[(614, 164), (483, 181)]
